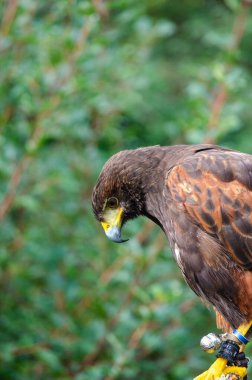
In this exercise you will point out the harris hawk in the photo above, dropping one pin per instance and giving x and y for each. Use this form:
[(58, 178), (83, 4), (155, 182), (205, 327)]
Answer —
[(201, 197)]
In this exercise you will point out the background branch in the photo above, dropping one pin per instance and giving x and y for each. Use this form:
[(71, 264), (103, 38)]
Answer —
[(220, 93)]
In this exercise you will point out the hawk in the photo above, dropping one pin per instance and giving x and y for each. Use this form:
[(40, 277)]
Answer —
[(201, 197)]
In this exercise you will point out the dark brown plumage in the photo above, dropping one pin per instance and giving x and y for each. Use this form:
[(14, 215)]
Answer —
[(201, 196)]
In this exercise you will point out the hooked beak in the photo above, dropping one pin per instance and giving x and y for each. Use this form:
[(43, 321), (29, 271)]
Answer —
[(112, 225)]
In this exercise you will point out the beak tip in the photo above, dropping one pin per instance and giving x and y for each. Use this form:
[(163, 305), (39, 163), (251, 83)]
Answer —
[(122, 241), (114, 234)]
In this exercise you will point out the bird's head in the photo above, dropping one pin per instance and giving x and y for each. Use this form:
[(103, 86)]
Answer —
[(118, 195)]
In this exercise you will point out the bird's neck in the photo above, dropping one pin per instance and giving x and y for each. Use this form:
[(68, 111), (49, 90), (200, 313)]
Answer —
[(158, 161), (145, 179), (146, 176)]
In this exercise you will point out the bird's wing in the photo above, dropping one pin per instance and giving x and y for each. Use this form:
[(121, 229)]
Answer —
[(215, 190)]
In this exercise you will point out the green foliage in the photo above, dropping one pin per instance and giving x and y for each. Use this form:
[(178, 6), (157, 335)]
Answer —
[(79, 81)]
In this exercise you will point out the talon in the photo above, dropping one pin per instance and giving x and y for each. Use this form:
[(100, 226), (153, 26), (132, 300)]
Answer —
[(232, 376)]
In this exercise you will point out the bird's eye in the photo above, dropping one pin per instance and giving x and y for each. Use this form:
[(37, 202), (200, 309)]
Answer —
[(112, 202)]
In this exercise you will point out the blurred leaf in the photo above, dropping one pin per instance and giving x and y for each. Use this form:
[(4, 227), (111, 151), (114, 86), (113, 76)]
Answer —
[(80, 81)]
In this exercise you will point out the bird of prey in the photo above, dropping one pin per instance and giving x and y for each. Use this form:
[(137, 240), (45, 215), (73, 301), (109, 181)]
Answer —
[(201, 197)]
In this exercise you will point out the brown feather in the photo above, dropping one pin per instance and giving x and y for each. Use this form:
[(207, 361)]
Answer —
[(221, 205), (215, 192), (221, 323), (201, 196)]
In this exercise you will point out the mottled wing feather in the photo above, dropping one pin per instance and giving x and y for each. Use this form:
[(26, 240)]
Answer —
[(215, 189)]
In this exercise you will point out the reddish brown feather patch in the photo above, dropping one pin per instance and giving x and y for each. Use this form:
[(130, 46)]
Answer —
[(222, 323), (221, 208)]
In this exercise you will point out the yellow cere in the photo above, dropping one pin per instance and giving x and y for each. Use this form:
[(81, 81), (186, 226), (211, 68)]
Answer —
[(112, 218)]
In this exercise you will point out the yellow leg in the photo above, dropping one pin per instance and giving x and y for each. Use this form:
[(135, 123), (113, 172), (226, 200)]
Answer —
[(219, 368), (215, 371), (243, 329)]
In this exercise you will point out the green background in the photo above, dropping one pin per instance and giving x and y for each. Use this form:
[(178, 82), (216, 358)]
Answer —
[(79, 81)]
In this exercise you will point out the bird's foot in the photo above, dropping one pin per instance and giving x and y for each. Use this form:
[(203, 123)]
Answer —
[(230, 365), (219, 370)]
